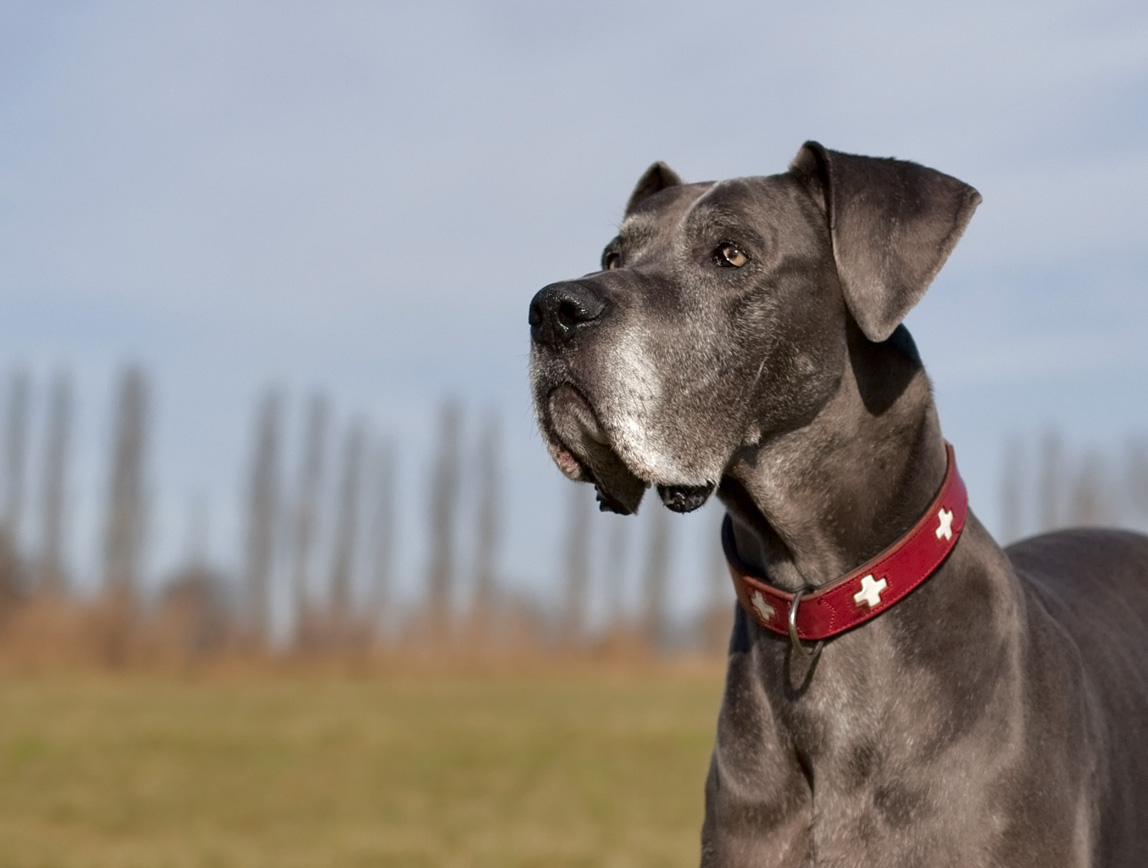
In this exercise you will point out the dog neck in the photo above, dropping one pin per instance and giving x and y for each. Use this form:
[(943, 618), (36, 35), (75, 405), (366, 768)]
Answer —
[(808, 506), (811, 504)]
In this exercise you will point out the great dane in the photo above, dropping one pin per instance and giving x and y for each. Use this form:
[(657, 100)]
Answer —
[(900, 691)]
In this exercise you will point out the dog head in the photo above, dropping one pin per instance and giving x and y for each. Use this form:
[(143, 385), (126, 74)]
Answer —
[(719, 316)]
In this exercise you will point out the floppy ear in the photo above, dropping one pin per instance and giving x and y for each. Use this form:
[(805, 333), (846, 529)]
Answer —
[(892, 224), (657, 178)]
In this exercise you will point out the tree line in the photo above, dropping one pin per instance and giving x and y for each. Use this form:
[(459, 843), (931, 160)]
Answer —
[(1045, 485), (320, 529), (316, 572)]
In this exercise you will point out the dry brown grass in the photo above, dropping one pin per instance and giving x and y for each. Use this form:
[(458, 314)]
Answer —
[(423, 763)]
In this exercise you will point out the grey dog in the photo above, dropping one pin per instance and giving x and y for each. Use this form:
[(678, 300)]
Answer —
[(745, 337)]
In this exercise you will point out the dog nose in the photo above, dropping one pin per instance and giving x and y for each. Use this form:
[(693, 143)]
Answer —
[(558, 311)]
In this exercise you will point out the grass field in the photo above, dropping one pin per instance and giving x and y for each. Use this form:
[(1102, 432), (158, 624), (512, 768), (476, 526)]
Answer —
[(570, 768)]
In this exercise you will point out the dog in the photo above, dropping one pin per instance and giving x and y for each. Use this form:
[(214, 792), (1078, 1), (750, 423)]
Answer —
[(900, 690)]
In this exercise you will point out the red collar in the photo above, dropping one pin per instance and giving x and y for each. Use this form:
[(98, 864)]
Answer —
[(870, 589)]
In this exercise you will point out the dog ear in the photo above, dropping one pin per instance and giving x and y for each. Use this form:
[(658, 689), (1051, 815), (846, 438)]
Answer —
[(657, 178), (892, 225)]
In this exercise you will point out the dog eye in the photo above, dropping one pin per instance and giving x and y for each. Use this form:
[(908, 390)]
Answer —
[(729, 255), (611, 259)]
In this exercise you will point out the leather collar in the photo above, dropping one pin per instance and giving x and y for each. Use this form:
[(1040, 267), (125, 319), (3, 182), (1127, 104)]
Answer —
[(870, 589)]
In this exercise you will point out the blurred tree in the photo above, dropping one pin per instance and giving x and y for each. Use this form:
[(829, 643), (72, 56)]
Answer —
[(1092, 497), (718, 615), (346, 526), (488, 530), (1136, 461), (382, 537), (1012, 491), (15, 457), (657, 578), (614, 570), (576, 561), (192, 614), (195, 539), (443, 508), (16, 448), (262, 510), (306, 502), (124, 531), (1051, 487), (50, 570)]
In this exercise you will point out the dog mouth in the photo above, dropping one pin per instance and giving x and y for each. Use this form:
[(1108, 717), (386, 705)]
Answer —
[(580, 446)]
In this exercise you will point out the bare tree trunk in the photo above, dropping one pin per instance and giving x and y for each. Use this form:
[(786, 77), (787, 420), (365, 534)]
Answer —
[(444, 502), (577, 565), (196, 543), (657, 578), (16, 449), (1136, 458), (123, 538), (718, 621), (615, 571), (262, 506), (1052, 477), (50, 579), (345, 531), (306, 506), (1012, 492), (11, 556), (1091, 495), (382, 541), (488, 531)]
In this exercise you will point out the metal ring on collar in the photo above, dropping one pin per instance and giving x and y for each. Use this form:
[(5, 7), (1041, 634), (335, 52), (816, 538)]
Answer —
[(794, 639)]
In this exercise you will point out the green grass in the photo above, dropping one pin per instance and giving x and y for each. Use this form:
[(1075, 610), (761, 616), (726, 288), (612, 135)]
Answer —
[(565, 769)]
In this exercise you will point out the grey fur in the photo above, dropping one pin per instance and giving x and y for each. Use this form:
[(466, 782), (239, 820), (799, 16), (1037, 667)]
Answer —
[(996, 716)]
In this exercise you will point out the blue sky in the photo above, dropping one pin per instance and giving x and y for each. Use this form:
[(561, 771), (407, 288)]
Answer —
[(364, 196)]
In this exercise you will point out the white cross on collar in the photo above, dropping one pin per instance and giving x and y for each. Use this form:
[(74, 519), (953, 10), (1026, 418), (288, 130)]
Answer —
[(945, 528), (761, 605), (870, 593)]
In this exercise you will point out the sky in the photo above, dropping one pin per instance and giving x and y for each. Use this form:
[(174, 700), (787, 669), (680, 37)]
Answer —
[(362, 197)]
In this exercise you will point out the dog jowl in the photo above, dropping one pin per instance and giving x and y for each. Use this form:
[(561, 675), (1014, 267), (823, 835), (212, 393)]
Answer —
[(976, 707)]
